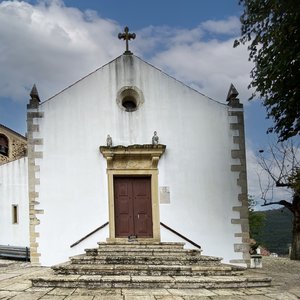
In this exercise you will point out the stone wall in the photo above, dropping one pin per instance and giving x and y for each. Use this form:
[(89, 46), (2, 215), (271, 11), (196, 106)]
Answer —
[(17, 145), (238, 154)]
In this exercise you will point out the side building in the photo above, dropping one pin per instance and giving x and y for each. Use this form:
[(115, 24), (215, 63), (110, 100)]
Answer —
[(14, 204)]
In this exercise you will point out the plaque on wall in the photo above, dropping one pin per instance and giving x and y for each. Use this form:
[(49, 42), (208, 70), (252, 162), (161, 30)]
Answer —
[(164, 194)]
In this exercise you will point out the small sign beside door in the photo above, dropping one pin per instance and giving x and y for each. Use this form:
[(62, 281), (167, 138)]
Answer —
[(164, 195)]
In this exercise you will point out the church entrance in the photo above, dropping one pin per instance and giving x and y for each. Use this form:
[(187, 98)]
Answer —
[(133, 207), (132, 178)]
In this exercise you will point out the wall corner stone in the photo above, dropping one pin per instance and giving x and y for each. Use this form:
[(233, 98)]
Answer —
[(34, 156), (238, 152)]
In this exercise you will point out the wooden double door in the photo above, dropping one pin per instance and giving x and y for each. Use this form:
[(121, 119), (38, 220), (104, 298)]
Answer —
[(133, 207)]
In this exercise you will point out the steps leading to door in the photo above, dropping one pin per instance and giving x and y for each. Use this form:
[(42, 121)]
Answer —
[(150, 282), (147, 265)]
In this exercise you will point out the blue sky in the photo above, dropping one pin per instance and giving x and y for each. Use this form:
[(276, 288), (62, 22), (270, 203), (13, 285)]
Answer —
[(53, 43), (139, 14)]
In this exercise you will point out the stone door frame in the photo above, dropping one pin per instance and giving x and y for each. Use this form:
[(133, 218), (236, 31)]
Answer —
[(133, 160)]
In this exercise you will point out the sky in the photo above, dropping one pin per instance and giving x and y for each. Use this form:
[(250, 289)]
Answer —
[(54, 43)]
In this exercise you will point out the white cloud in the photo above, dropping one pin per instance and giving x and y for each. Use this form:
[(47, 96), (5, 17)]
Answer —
[(51, 45), (191, 55), (209, 65), (230, 26)]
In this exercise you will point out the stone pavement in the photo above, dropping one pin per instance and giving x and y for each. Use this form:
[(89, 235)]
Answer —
[(15, 284)]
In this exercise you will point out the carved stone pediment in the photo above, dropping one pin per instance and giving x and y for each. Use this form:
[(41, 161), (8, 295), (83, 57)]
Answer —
[(133, 157)]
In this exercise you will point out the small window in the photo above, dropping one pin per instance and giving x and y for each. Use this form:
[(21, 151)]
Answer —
[(130, 98), (15, 214), (129, 103), (3, 145)]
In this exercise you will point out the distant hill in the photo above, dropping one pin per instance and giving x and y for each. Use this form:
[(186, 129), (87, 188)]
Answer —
[(276, 233)]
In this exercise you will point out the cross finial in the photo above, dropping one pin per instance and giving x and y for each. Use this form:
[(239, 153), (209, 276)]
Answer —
[(127, 37)]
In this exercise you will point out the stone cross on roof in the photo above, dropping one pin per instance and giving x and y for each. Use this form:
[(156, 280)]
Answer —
[(127, 37)]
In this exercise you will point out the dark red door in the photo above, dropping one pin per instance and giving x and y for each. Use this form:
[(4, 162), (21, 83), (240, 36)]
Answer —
[(133, 210)]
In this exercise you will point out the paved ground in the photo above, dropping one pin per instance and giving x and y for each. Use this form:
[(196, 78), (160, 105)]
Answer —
[(15, 284)]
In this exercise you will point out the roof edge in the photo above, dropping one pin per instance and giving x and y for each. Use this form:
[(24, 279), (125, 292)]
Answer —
[(82, 78), (181, 82), (151, 65), (14, 132)]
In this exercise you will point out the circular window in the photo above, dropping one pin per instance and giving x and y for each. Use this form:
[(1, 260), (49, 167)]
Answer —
[(129, 98), (129, 103)]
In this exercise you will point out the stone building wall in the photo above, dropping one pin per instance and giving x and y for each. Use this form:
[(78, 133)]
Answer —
[(17, 145)]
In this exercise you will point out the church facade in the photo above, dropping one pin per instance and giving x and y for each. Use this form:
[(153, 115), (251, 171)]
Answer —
[(133, 151)]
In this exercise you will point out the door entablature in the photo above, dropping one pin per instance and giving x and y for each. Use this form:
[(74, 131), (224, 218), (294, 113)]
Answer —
[(133, 160)]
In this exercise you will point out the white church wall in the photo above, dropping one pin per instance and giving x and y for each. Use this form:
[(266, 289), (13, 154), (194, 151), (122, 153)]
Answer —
[(196, 165), (14, 229), (168, 236), (91, 241)]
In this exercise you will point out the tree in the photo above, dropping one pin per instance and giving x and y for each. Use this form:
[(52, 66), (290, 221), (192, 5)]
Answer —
[(281, 162), (271, 30), (256, 222), (256, 219)]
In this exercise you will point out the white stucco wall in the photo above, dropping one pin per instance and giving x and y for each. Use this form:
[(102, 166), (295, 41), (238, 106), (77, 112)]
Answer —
[(195, 166), (14, 191)]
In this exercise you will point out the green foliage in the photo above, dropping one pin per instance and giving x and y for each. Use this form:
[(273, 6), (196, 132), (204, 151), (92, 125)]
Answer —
[(294, 181), (272, 30), (276, 232), (256, 219)]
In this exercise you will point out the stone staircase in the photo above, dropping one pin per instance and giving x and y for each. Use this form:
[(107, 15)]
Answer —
[(144, 265)]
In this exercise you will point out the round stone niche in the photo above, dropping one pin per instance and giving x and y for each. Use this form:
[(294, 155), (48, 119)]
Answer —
[(130, 98)]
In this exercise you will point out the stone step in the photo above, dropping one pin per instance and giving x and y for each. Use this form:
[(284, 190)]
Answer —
[(141, 265), (141, 252), (92, 269), (221, 270), (141, 245), (146, 260), (145, 270), (152, 282)]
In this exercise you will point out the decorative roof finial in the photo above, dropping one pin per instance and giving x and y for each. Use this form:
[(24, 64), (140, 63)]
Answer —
[(232, 97), (34, 98), (155, 139), (232, 93), (127, 37), (108, 141), (34, 93)]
